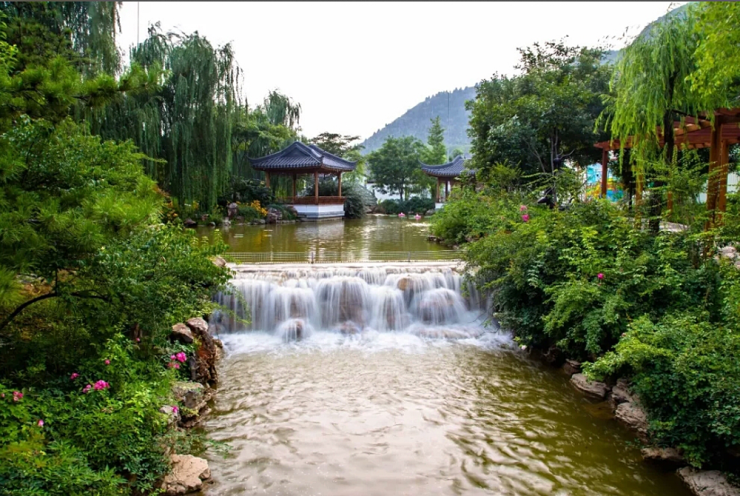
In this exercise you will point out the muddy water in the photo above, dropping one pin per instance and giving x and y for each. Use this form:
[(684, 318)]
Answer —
[(393, 413)]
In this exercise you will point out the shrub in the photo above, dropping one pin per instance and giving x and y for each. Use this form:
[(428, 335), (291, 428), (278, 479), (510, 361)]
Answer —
[(414, 205)]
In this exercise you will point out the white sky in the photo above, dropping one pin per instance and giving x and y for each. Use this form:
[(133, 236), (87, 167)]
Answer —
[(355, 67)]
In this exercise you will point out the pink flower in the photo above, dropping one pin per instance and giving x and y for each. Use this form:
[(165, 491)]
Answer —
[(17, 395), (417, 217), (181, 357), (172, 357), (3, 395), (107, 362), (100, 385), (600, 276), (522, 208), (74, 376), (525, 217), (87, 389), (41, 423), (175, 409), (402, 215), (138, 340)]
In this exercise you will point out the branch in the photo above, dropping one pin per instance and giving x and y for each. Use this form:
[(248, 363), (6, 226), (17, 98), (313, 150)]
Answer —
[(53, 294)]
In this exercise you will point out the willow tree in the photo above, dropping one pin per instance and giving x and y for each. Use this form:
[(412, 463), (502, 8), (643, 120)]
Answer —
[(184, 118), (650, 91)]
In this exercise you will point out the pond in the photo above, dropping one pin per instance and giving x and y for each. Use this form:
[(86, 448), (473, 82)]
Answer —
[(385, 380), (359, 237)]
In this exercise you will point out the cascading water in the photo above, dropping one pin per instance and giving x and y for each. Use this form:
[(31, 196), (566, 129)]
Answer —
[(351, 301)]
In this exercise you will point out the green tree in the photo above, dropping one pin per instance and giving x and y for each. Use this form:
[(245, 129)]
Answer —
[(336, 144), (394, 168), (544, 115), (651, 91), (436, 153)]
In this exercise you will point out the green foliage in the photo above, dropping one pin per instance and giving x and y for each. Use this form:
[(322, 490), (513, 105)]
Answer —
[(436, 153), (246, 191), (394, 168), (414, 205), (545, 113)]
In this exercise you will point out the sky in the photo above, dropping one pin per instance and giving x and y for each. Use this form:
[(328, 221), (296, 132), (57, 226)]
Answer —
[(355, 67)]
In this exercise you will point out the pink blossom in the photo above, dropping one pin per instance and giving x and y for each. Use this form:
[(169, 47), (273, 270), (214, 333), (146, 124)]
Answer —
[(17, 395), (41, 423), (107, 362), (600, 276), (74, 376), (175, 409), (402, 215), (3, 395), (100, 385), (417, 217), (138, 340), (181, 357), (87, 388), (172, 357), (522, 208), (525, 217)]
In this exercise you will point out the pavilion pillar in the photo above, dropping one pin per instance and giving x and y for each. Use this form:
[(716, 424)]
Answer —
[(339, 184), (447, 190), (267, 179), (295, 176), (604, 171), (724, 160), (715, 144), (316, 186), (439, 189)]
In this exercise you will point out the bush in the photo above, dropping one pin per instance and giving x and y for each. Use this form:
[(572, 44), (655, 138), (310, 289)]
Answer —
[(242, 190), (414, 205), (354, 207)]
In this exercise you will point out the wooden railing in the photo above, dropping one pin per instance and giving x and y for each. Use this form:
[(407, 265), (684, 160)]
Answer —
[(311, 200)]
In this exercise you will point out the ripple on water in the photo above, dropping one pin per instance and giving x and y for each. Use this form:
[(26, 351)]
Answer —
[(396, 414)]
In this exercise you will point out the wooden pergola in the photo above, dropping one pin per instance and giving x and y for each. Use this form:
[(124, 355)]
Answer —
[(299, 158), (449, 173), (693, 133)]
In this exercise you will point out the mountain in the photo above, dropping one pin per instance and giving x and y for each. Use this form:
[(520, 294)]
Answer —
[(448, 105)]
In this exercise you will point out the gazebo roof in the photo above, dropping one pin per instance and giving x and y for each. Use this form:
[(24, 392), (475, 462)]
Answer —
[(450, 169), (299, 156)]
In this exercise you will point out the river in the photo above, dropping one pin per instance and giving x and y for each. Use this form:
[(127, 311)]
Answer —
[(386, 380)]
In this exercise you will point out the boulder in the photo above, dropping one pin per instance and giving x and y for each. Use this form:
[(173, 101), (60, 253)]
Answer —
[(403, 283), (572, 367), (632, 416), (429, 212), (261, 221), (187, 475), (226, 222), (182, 333), (173, 415), (192, 395), (190, 223), (232, 210), (219, 261), (197, 325), (620, 394), (211, 224), (292, 210), (728, 252), (207, 354), (593, 389), (707, 482), (667, 457)]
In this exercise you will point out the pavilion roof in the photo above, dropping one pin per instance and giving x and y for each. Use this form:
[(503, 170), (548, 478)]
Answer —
[(692, 132), (301, 157), (450, 169)]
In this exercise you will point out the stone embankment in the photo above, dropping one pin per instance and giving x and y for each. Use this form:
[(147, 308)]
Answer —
[(189, 472), (627, 410)]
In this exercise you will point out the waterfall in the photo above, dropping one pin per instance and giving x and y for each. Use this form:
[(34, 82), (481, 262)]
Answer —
[(293, 303)]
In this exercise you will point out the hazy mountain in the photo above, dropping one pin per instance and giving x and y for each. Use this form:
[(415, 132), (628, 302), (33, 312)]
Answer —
[(448, 105)]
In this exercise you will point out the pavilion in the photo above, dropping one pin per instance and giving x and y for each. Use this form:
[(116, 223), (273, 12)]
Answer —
[(695, 133), (299, 158), (449, 173)]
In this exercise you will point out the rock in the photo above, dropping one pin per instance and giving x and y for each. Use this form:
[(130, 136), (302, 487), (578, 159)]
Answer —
[(187, 475), (218, 343), (554, 356), (272, 219), (349, 328), (403, 283), (219, 262), (190, 223), (240, 218), (197, 325), (728, 252), (572, 367), (594, 389), (260, 221), (173, 416), (211, 224), (207, 354), (633, 416), (292, 210), (232, 209), (434, 239), (707, 482), (226, 222), (429, 212), (204, 217), (182, 333), (192, 395), (620, 394), (669, 457)]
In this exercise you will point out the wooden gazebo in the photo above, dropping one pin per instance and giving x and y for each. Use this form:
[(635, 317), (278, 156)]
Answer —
[(449, 173), (695, 133), (299, 158)]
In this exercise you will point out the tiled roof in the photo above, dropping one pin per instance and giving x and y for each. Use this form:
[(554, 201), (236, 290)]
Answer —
[(450, 169), (302, 156)]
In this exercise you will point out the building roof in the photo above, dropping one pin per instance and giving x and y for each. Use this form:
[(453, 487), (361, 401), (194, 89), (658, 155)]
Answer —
[(450, 169), (299, 156)]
